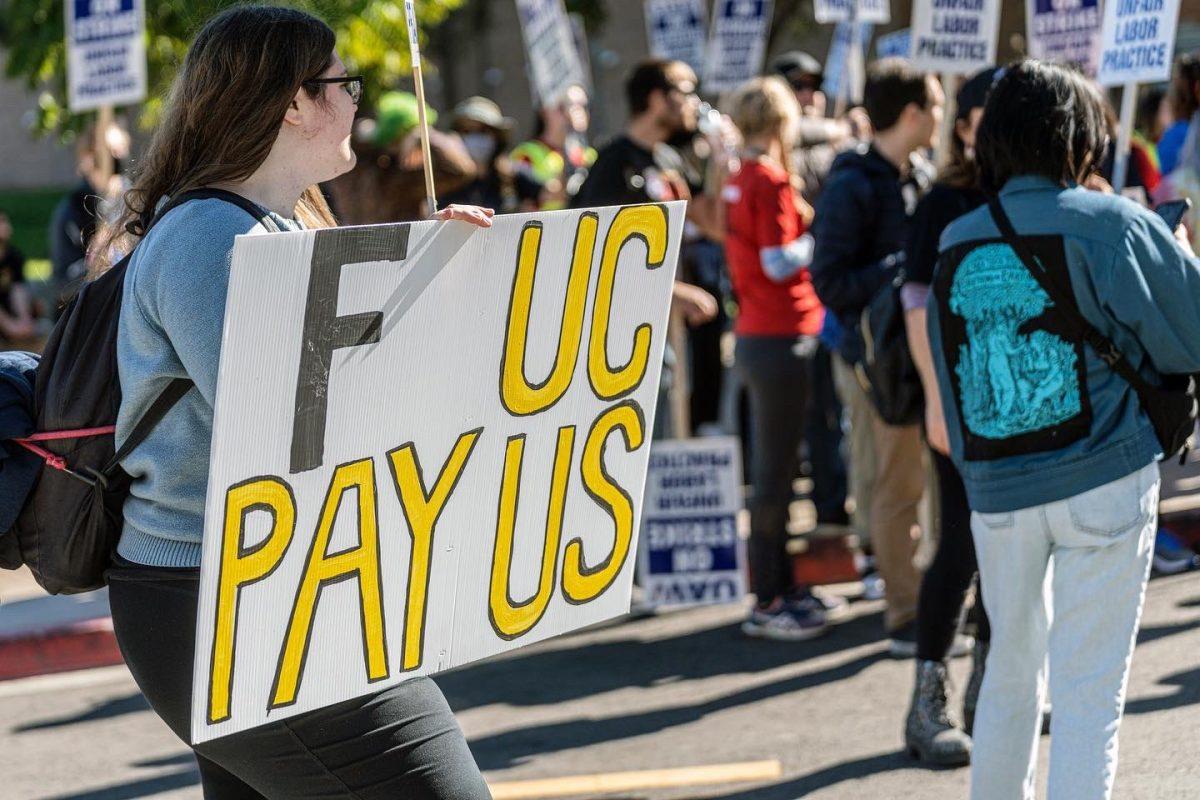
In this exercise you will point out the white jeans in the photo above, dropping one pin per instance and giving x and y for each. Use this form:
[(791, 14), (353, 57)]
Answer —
[(1102, 542)]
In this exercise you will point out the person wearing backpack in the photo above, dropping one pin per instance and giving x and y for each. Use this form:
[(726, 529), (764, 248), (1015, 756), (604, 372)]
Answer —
[(860, 231), (1059, 319), (262, 108)]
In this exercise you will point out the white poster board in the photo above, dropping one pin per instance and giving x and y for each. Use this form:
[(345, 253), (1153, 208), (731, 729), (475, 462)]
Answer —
[(955, 37), (876, 11), (675, 30), (690, 551), (897, 44), (431, 450), (1137, 41), (550, 46), (737, 43), (106, 53), (838, 60), (1066, 31)]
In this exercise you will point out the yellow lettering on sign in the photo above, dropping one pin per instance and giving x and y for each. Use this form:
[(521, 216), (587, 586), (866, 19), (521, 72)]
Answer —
[(422, 510), (360, 563), (647, 224), (240, 567), (580, 582), (519, 396), (511, 619)]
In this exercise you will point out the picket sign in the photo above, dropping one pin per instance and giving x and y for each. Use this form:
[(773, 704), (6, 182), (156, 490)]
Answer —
[(691, 552), (675, 31), (845, 68), (106, 53), (1137, 44), (429, 446), (737, 43), (554, 60), (873, 11), (1065, 31), (894, 44)]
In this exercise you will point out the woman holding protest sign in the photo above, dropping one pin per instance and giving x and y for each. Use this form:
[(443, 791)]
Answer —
[(260, 113), (1055, 316)]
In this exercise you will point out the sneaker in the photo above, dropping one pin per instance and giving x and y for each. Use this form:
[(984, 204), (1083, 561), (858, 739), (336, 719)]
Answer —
[(1171, 556), (836, 607), (873, 586), (787, 621), (902, 643)]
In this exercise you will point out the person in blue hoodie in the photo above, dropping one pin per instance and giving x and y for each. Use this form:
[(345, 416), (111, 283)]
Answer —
[(1057, 455)]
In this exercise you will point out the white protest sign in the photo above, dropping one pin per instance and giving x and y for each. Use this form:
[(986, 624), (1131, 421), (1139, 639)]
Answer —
[(897, 44), (955, 37), (836, 63), (690, 550), (1137, 41), (429, 447), (826, 11), (1066, 31), (550, 44), (675, 30), (737, 43), (106, 53)]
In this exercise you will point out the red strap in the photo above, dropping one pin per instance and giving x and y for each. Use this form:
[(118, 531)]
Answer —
[(56, 461)]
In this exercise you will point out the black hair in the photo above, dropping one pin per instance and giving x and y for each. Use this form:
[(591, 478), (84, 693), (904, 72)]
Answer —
[(648, 77), (893, 83), (1146, 116), (1185, 87), (1041, 119)]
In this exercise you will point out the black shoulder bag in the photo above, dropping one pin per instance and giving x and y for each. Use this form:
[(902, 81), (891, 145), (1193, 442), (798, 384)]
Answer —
[(1172, 407)]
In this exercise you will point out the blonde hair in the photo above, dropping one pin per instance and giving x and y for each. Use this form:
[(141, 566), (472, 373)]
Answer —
[(764, 107)]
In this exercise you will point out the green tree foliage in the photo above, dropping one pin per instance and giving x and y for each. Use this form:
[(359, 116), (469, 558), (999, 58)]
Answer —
[(372, 39)]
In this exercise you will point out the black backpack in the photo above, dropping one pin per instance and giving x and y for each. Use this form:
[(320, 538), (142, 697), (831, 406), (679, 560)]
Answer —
[(70, 523), (887, 369)]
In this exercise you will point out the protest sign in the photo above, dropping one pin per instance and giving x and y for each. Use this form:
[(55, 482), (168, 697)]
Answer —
[(691, 553), (1137, 41), (550, 45), (675, 30), (106, 53), (955, 37), (1066, 31), (844, 79), (897, 44), (431, 449), (737, 43), (877, 11)]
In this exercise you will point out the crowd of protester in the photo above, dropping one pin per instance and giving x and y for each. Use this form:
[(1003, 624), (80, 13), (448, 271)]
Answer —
[(801, 228)]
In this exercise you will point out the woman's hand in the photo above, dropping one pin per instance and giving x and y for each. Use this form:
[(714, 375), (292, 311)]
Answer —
[(475, 215), (695, 304)]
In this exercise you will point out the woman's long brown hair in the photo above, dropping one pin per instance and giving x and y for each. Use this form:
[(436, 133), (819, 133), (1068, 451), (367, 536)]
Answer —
[(224, 111)]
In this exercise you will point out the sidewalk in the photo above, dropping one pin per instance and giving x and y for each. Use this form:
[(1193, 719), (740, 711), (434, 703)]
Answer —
[(40, 634)]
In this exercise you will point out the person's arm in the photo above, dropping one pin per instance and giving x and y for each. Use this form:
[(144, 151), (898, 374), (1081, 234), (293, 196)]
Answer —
[(915, 321), (782, 249), (843, 282), (1153, 288)]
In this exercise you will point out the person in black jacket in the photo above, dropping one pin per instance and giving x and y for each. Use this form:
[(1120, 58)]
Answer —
[(860, 229)]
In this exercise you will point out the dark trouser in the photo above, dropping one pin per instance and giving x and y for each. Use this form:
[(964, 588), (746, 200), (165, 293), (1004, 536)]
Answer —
[(777, 372), (944, 587), (402, 742), (823, 432)]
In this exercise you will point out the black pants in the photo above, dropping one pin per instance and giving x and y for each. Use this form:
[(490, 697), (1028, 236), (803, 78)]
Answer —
[(944, 587), (777, 374), (823, 432), (402, 742)]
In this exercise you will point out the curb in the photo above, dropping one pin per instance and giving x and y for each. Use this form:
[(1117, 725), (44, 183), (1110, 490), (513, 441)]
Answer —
[(81, 645)]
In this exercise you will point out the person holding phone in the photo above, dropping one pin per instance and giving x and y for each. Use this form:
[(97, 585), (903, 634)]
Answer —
[(262, 108), (1057, 453)]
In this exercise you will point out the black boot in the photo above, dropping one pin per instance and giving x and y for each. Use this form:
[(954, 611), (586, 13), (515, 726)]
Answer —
[(929, 733)]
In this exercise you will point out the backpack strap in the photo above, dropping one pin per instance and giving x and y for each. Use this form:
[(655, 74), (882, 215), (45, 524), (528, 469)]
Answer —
[(178, 387), (1081, 327)]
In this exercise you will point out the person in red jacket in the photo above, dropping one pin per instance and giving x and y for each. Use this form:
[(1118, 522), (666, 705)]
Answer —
[(779, 319)]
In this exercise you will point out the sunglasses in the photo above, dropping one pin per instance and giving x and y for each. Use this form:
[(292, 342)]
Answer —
[(353, 84)]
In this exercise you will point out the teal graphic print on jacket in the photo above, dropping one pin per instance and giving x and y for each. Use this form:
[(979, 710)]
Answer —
[(1010, 382)]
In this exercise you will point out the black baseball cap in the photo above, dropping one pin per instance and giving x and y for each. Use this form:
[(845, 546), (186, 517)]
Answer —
[(974, 93), (797, 64)]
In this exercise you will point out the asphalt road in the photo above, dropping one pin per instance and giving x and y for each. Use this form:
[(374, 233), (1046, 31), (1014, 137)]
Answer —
[(679, 690)]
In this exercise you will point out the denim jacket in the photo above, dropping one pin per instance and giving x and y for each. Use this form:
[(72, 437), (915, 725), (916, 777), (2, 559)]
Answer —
[(1033, 416)]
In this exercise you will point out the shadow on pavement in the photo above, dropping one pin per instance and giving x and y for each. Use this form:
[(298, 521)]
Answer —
[(147, 787), (1188, 693), (717, 651), (543, 676), (130, 704), (1156, 632)]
